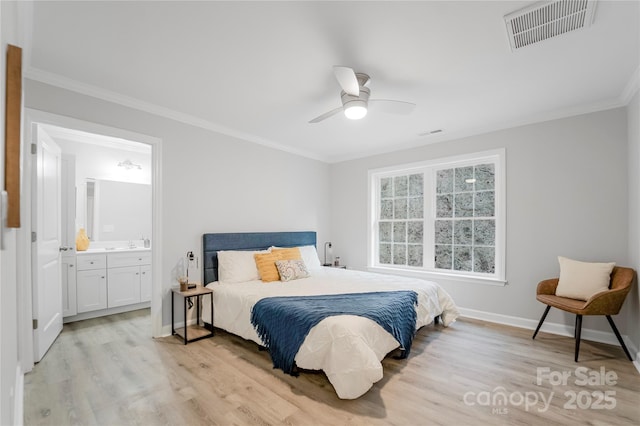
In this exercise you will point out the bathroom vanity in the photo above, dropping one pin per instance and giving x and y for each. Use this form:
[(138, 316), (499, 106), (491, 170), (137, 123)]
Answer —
[(115, 208), (104, 281)]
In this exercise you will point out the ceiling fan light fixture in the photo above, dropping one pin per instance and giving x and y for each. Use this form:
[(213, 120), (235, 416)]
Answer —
[(355, 110), (355, 100)]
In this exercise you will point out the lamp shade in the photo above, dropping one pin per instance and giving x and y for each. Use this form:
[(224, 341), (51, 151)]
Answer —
[(329, 245)]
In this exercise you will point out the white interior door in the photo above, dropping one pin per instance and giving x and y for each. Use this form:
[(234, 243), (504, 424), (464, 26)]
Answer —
[(46, 262)]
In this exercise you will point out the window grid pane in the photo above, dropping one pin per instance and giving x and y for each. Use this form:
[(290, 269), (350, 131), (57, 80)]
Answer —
[(465, 219), (401, 220)]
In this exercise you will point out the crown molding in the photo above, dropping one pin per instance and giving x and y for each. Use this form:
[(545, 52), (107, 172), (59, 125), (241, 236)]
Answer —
[(633, 85), (57, 80), (489, 128), (89, 90)]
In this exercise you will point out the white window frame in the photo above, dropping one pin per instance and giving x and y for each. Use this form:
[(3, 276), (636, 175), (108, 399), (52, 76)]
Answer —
[(496, 157)]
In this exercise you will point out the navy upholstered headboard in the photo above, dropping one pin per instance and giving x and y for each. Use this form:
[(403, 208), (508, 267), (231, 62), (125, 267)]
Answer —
[(212, 243)]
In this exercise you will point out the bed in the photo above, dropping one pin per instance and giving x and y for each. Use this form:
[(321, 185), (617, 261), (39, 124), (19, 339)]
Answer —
[(348, 348)]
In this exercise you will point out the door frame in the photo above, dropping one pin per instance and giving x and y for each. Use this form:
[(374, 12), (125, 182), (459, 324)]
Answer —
[(33, 117)]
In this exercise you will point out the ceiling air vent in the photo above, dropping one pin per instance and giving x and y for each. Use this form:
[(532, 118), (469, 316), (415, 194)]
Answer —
[(548, 19)]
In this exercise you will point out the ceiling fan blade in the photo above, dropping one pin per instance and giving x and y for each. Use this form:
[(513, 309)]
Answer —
[(392, 107), (347, 79), (326, 115)]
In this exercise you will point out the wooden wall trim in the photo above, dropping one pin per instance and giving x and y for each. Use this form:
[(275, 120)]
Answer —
[(12, 134)]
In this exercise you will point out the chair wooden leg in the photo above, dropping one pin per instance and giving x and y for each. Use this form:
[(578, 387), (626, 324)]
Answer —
[(544, 315), (577, 331), (615, 330)]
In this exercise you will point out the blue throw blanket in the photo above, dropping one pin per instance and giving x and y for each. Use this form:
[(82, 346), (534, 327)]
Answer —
[(284, 322)]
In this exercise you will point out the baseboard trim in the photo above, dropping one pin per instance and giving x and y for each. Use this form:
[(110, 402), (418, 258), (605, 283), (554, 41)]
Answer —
[(166, 330), (108, 311), (553, 328)]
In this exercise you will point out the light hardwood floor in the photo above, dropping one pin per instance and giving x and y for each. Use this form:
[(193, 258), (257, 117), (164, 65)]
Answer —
[(108, 371)]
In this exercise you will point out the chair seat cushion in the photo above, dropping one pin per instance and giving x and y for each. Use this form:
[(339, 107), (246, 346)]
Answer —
[(581, 280), (570, 305)]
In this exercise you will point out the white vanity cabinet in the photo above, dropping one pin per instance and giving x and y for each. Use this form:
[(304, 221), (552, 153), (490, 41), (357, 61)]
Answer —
[(145, 283), (124, 286), (105, 281), (91, 282), (69, 285), (129, 278)]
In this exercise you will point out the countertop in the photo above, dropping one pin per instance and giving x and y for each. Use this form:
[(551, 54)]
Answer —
[(113, 250)]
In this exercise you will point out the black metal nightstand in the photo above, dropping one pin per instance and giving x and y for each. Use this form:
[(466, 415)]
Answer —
[(200, 331)]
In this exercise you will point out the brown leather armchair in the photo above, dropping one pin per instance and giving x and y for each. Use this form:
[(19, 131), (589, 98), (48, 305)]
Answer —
[(606, 303)]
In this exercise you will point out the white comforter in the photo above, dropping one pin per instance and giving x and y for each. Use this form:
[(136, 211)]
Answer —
[(347, 348)]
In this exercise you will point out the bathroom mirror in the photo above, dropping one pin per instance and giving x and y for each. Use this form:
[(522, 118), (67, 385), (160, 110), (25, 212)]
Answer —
[(117, 211)]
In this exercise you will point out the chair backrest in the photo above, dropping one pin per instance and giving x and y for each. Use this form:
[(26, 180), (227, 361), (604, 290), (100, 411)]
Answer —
[(610, 303), (621, 278)]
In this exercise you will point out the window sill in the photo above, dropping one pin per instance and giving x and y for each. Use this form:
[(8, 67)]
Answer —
[(435, 276)]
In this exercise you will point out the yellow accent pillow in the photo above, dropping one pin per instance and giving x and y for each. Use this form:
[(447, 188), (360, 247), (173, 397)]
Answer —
[(292, 253), (266, 264)]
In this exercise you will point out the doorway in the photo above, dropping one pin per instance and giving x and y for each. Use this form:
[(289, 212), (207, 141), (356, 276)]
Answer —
[(134, 153)]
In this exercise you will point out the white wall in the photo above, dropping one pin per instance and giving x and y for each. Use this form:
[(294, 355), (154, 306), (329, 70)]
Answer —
[(101, 162), (11, 295), (633, 300), (566, 195), (210, 182)]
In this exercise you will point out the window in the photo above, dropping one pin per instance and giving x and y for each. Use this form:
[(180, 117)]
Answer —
[(401, 224), (444, 216)]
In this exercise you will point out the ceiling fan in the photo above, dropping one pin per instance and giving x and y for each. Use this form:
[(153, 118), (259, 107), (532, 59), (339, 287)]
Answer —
[(355, 97)]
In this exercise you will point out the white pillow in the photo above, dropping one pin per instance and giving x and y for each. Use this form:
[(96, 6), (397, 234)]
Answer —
[(309, 256), (237, 266), (581, 280)]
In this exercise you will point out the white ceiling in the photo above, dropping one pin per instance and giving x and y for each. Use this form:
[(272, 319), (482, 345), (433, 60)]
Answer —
[(261, 70)]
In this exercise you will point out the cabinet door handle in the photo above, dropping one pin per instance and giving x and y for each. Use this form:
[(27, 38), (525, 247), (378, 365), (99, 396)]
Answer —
[(70, 265), (102, 277), (91, 263), (137, 273)]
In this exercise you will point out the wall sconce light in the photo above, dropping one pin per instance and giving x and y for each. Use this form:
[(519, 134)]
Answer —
[(328, 243), (128, 165)]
